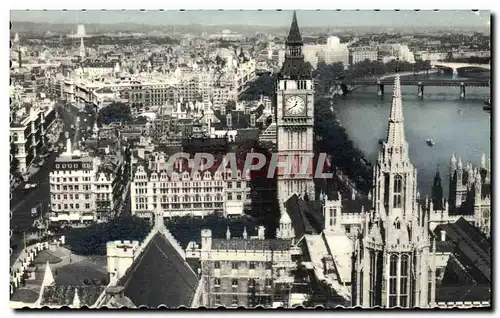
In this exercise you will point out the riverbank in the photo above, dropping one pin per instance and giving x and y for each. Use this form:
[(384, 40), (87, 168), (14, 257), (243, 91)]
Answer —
[(459, 126)]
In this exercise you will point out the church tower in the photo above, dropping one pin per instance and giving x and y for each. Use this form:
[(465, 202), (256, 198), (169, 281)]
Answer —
[(295, 120), (392, 252)]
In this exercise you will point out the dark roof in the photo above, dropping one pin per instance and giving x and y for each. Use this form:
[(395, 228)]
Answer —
[(212, 145), (241, 244), (355, 206), (160, 277), (25, 295), (304, 214), (463, 293), (473, 249), (445, 247), (239, 120), (295, 69), (294, 36)]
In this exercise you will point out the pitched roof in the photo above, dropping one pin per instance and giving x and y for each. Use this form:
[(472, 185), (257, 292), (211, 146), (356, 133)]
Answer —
[(456, 293), (306, 219), (294, 36), (473, 250), (295, 69), (160, 276)]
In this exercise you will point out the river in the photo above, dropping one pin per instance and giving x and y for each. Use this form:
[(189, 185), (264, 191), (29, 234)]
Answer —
[(457, 126)]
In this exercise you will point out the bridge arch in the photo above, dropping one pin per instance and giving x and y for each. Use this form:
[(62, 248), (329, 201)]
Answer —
[(456, 66)]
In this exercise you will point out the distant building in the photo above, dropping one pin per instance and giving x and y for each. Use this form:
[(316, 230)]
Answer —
[(246, 271), (85, 188), (27, 131), (187, 192), (360, 54)]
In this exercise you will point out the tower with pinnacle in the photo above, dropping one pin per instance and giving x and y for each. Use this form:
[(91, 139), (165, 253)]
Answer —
[(295, 120), (391, 257)]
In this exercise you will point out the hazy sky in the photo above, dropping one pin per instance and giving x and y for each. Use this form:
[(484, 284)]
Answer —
[(311, 18)]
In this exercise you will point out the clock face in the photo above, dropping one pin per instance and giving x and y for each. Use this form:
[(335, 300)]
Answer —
[(295, 106)]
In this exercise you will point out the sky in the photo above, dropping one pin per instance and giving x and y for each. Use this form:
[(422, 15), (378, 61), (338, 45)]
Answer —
[(272, 18)]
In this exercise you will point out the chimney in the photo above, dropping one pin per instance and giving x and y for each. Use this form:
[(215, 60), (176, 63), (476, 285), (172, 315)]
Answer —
[(261, 232), (443, 236)]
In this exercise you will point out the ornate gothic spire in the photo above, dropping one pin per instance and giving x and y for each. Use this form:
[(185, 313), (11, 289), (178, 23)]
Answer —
[(294, 36), (395, 131)]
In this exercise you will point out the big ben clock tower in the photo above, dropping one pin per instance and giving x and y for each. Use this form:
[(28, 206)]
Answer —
[(295, 120)]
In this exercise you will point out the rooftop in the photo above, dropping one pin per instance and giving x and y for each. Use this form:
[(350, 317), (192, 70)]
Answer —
[(240, 244), (159, 276)]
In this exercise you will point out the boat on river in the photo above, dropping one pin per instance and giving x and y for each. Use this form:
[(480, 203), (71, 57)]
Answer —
[(430, 142)]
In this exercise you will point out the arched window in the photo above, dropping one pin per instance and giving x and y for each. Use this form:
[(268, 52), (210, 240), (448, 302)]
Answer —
[(197, 198), (207, 198), (15, 137), (397, 224), (393, 277), (186, 198), (398, 189), (404, 282)]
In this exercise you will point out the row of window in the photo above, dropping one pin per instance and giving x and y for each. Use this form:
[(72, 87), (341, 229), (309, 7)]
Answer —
[(70, 179), (58, 187), (235, 282), (174, 176), (71, 196), (70, 206), (74, 166), (186, 198), (236, 265), (174, 206)]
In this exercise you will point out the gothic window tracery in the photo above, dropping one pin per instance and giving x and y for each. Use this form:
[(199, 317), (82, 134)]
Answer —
[(397, 224), (404, 282), (398, 189), (393, 280)]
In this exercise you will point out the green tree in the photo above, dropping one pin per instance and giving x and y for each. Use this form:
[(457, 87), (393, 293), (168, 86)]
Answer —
[(262, 85), (92, 239), (14, 162), (188, 228), (114, 112)]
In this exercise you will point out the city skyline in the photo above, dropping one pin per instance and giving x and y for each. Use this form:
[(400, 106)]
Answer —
[(208, 166), (265, 18)]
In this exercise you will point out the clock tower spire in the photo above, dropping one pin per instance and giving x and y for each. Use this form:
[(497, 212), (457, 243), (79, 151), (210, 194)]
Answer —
[(295, 120)]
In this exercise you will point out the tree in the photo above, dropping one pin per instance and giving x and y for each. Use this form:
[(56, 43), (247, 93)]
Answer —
[(115, 112), (336, 143), (230, 105), (14, 162), (92, 240), (262, 85), (188, 228)]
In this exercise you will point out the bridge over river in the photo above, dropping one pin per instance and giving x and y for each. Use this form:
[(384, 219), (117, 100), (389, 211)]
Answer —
[(344, 86)]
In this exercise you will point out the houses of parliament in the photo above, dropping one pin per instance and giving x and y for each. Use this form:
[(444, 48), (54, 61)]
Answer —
[(402, 249), (389, 248)]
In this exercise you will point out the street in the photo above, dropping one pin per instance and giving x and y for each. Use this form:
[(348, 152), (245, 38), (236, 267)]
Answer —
[(23, 201)]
